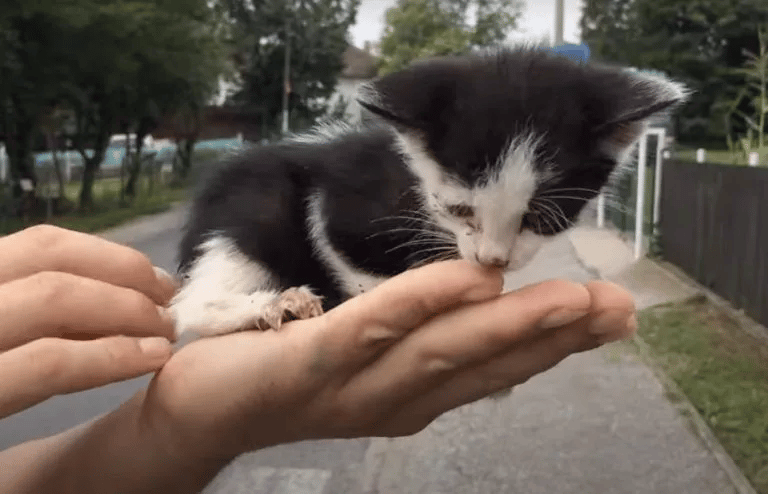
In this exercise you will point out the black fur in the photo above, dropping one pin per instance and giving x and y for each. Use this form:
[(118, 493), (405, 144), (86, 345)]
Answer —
[(466, 110), (259, 200)]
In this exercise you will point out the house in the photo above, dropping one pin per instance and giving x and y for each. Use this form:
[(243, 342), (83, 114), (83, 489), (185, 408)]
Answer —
[(360, 66)]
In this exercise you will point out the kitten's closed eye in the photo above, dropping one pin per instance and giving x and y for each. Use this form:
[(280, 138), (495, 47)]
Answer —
[(460, 210)]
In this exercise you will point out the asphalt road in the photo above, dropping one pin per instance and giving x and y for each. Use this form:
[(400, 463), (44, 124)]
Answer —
[(592, 424)]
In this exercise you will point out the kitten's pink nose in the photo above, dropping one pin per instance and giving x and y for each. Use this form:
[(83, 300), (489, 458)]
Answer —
[(492, 261)]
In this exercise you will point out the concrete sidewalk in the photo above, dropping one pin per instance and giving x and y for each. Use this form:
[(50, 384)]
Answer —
[(611, 258)]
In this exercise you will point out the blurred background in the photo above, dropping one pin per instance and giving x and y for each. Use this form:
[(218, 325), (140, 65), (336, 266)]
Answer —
[(110, 111)]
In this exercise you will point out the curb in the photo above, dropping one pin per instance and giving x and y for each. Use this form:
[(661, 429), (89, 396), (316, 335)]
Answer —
[(681, 401), (754, 328), (700, 426)]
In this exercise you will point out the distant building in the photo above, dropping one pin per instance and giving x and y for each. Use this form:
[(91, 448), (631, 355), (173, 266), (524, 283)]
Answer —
[(360, 66)]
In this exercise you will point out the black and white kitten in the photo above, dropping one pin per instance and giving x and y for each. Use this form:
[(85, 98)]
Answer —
[(484, 157)]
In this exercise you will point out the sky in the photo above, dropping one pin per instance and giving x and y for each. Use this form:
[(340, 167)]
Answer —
[(538, 20)]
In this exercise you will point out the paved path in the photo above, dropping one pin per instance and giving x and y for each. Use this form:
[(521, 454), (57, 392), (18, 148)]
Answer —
[(596, 423)]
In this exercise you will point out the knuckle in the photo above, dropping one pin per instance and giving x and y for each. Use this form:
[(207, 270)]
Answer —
[(45, 235), (137, 262), (576, 291), (45, 239), (137, 304), (435, 362), (376, 337), (120, 350), (52, 286), (49, 360)]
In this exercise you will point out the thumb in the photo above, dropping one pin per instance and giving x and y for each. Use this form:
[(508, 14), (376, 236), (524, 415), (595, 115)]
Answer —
[(47, 367)]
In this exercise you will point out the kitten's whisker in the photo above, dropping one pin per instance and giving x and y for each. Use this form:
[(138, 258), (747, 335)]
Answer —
[(541, 214), (609, 202), (418, 231), (559, 209), (453, 254), (551, 213), (413, 243), (573, 189)]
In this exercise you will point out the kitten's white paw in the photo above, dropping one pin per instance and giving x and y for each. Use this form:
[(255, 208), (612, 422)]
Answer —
[(294, 303), (238, 312)]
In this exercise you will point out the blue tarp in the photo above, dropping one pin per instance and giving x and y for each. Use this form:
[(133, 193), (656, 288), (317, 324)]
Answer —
[(579, 53), (114, 154)]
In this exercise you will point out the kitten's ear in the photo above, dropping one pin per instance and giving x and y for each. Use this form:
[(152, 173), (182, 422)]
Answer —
[(416, 98), (638, 98)]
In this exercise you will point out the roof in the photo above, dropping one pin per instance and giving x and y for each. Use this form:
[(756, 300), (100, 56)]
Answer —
[(358, 64)]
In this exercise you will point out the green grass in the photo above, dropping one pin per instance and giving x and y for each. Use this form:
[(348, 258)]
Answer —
[(108, 212), (722, 370), (113, 215)]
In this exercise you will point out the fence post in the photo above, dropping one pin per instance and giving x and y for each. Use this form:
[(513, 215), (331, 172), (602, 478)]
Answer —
[(601, 211), (661, 153), (3, 164), (640, 200)]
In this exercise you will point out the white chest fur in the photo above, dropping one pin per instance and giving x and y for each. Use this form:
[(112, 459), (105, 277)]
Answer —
[(353, 280)]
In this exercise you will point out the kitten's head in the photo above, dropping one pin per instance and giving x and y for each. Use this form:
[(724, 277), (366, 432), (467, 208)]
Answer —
[(510, 145)]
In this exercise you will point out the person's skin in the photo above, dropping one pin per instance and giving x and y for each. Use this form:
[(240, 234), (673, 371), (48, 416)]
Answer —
[(385, 363)]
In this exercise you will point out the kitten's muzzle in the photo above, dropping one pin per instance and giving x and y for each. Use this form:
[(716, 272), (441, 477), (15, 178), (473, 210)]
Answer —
[(492, 261)]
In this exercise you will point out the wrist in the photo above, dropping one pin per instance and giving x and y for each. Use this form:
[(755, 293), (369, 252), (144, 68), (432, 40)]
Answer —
[(117, 452)]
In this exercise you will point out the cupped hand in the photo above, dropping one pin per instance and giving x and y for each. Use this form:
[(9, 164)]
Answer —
[(76, 312), (385, 363)]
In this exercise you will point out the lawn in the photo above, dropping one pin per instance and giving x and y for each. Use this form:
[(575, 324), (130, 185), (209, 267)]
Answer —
[(108, 211), (723, 371)]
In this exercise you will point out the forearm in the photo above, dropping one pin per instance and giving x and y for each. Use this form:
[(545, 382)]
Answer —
[(114, 453)]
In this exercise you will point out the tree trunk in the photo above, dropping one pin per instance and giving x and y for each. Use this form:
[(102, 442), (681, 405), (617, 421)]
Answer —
[(53, 146), (184, 152), (19, 149), (86, 188), (134, 172), (90, 168)]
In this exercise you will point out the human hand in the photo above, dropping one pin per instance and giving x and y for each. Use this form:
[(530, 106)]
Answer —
[(77, 312), (385, 363)]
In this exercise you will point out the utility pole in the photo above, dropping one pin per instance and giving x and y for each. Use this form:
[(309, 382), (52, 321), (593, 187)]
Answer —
[(559, 23), (286, 73)]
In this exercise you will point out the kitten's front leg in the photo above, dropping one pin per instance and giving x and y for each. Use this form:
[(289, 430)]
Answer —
[(193, 311)]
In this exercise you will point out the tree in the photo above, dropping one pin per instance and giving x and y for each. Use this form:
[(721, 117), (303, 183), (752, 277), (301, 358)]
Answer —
[(696, 41), (423, 28), (317, 35), (115, 64)]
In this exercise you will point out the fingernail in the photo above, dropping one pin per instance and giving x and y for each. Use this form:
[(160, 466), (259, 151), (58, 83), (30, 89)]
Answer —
[(612, 325), (485, 291), (561, 317), (162, 274), (155, 347)]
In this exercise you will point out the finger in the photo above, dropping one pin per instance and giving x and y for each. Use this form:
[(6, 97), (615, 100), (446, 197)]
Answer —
[(512, 369), (47, 367), (49, 248), (521, 362), (466, 336), (609, 301), (362, 326), (58, 304)]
